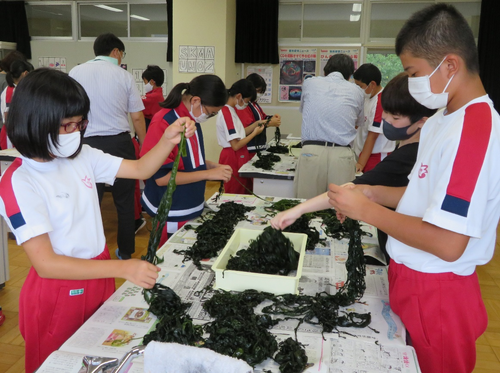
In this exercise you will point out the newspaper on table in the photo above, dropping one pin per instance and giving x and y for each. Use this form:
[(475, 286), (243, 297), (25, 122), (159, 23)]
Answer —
[(124, 319), (285, 167)]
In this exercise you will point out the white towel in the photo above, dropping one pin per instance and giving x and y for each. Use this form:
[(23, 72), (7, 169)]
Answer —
[(176, 358)]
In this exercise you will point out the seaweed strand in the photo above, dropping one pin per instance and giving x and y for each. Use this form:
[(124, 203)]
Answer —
[(161, 216)]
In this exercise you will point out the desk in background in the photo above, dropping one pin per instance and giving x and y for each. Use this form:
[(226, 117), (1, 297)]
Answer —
[(277, 182), (124, 315)]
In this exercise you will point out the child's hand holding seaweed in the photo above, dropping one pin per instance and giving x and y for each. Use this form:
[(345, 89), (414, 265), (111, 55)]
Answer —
[(275, 121), (139, 272), (173, 132)]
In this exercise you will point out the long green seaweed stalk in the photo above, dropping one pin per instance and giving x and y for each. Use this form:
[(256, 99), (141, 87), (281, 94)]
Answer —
[(160, 219)]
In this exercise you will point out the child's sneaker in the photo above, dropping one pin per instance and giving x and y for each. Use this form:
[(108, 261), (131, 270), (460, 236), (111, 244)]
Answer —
[(2, 317)]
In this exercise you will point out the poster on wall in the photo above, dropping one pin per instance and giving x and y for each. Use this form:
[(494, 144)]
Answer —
[(296, 65), (266, 72), (325, 55), (58, 63), (196, 59)]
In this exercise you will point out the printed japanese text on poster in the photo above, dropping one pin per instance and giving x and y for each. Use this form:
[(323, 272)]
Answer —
[(266, 72), (296, 65), (325, 55)]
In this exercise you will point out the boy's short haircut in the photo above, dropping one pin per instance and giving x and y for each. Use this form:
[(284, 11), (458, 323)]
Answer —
[(105, 43), (436, 31), (43, 99), (367, 73), (154, 72), (341, 63), (397, 100)]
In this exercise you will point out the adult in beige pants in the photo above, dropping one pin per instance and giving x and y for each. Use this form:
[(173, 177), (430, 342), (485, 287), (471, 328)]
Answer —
[(332, 109)]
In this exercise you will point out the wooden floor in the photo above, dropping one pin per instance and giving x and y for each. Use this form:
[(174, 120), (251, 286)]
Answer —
[(12, 344)]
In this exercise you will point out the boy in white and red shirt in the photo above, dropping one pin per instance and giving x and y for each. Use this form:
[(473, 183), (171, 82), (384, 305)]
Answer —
[(370, 144), (446, 219)]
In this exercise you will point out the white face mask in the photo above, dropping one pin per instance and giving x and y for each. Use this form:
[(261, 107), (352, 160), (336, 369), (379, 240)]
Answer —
[(367, 95), (202, 118), (68, 145), (148, 87), (420, 89), (259, 96), (241, 107)]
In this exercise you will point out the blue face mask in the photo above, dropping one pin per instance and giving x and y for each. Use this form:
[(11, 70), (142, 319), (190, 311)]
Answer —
[(392, 133)]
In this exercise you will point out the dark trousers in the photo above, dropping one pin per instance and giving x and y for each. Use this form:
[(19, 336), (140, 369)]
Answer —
[(122, 190)]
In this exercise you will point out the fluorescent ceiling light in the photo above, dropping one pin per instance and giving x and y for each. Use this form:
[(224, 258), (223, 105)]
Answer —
[(110, 8), (355, 17), (356, 7), (139, 17)]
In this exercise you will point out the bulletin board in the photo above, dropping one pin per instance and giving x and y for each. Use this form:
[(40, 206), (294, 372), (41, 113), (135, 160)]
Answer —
[(325, 54), (296, 65)]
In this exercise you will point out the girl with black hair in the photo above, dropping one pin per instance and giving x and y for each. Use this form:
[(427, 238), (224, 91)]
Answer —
[(48, 198), (253, 112), (234, 137), (18, 70), (200, 99)]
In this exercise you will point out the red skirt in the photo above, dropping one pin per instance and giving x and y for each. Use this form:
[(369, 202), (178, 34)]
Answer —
[(236, 159), (51, 311)]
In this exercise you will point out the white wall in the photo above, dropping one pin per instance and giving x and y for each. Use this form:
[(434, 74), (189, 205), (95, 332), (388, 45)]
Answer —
[(139, 54), (212, 24)]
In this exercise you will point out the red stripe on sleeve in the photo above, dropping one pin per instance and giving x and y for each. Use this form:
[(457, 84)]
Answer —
[(8, 94), (472, 149), (6, 190), (377, 119), (228, 118)]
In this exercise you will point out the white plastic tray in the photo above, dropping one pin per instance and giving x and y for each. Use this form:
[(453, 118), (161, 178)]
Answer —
[(239, 280)]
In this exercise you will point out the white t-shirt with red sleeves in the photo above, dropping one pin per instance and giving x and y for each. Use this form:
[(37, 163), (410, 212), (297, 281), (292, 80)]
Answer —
[(229, 126), (455, 185), (373, 123), (59, 198)]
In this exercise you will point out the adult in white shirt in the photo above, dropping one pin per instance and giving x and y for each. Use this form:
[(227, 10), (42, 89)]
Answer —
[(332, 109), (113, 95)]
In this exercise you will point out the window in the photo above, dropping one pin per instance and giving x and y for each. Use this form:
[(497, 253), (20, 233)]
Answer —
[(332, 20), (100, 18), (388, 63), (387, 19), (148, 20), (471, 11), (290, 20), (49, 20), (298, 21)]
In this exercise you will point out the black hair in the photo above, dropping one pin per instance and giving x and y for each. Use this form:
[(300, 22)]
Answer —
[(105, 43), (341, 63), (397, 100), (243, 86), (367, 73), (42, 100), (435, 31), (209, 88), (17, 68), (258, 82), (9, 58), (154, 72)]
